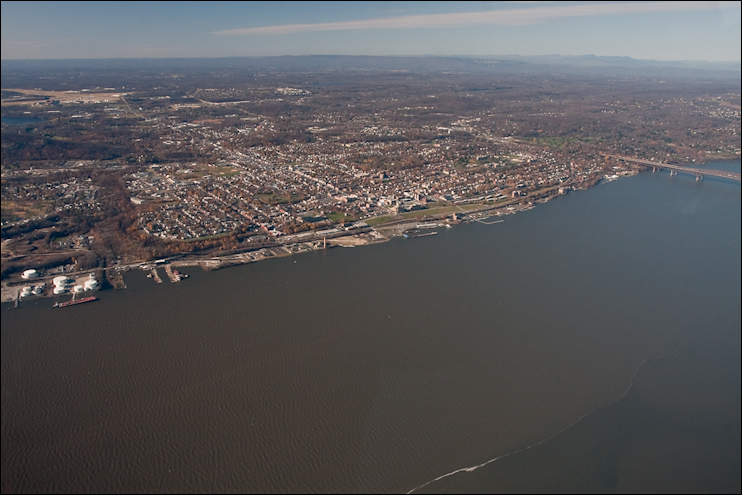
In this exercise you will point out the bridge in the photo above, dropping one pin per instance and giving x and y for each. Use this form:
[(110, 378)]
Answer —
[(674, 169)]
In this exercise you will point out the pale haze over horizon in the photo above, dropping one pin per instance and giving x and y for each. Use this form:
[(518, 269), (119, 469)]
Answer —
[(702, 31)]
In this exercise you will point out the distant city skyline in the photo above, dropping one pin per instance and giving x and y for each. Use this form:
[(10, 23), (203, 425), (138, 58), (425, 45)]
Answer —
[(704, 31)]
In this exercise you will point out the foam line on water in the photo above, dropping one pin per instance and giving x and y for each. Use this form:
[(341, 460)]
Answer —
[(474, 468)]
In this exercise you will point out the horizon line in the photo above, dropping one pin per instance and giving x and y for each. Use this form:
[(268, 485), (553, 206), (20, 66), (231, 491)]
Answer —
[(469, 56)]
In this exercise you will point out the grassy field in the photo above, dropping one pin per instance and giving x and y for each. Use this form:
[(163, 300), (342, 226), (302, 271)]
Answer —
[(441, 210), (339, 217), (378, 220), (13, 211)]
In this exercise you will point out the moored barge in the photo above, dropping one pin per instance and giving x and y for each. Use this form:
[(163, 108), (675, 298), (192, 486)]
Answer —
[(75, 301)]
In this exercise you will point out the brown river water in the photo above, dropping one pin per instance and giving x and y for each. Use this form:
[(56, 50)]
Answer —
[(591, 344)]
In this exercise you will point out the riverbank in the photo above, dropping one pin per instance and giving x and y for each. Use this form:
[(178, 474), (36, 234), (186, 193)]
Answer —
[(391, 226), (394, 365), (10, 291), (394, 225)]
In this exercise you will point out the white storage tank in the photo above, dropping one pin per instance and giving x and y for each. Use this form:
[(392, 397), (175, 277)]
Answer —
[(30, 274), (91, 284), (60, 280), (79, 288), (60, 290)]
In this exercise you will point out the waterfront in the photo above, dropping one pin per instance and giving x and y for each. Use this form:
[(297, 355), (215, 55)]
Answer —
[(384, 367)]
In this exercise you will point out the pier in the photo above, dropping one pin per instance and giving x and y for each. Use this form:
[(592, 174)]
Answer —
[(482, 220), (173, 277), (156, 276)]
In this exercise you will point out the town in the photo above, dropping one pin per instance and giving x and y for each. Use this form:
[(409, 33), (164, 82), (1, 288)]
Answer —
[(202, 165)]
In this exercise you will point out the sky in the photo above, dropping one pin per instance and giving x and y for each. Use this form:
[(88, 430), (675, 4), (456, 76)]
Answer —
[(707, 31)]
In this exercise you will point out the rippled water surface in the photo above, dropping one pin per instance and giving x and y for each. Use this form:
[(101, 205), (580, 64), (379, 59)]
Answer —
[(595, 338)]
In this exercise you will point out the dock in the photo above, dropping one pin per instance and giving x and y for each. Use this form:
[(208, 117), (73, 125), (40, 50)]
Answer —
[(482, 220), (156, 276), (416, 233), (173, 277)]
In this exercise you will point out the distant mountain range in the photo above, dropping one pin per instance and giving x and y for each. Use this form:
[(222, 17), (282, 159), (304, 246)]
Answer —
[(584, 64), (603, 61)]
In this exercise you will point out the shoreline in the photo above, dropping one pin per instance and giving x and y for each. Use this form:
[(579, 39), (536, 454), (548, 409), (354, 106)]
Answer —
[(336, 237), (342, 238)]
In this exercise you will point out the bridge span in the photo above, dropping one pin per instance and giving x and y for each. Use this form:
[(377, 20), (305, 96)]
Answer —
[(674, 169)]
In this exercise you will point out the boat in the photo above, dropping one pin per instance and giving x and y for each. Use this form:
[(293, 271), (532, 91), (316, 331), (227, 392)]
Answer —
[(75, 301)]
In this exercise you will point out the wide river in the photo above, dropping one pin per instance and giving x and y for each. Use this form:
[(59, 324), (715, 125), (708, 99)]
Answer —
[(591, 344)]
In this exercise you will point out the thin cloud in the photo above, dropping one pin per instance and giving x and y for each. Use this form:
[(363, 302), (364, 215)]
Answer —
[(506, 17)]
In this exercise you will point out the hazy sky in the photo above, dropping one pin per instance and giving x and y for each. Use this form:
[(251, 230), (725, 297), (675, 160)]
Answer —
[(646, 30)]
